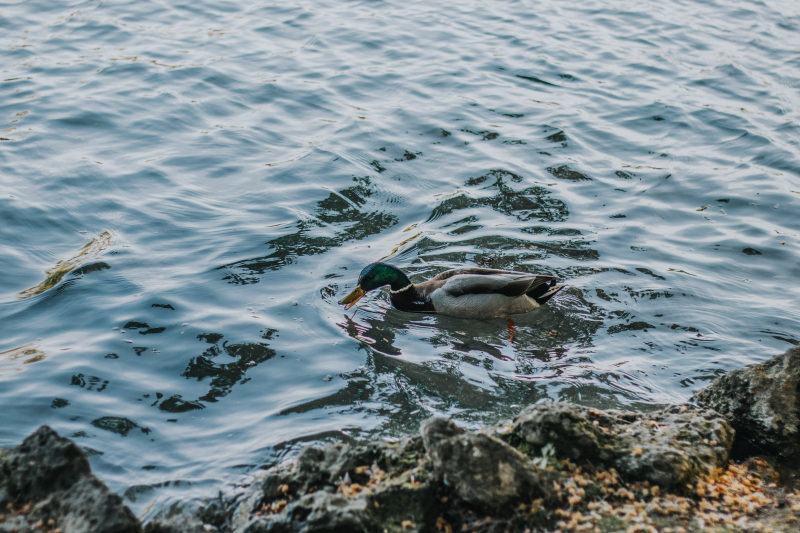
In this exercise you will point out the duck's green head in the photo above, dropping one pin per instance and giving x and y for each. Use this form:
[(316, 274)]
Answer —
[(374, 276)]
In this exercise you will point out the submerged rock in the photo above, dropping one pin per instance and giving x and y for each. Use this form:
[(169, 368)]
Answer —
[(46, 484), (762, 403)]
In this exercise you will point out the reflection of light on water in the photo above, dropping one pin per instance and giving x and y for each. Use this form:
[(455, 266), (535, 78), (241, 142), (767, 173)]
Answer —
[(89, 251), (402, 243), (29, 353), (355, 330), (534, 378)]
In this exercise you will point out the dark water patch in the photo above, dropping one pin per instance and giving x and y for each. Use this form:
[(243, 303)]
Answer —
[(564, 172), (789, 339), (354, 393), (649, 294), (690, 329), (631, 326), (176, 404), (338, 209), (92, 267), (86, 120), (118, 424), (750, 251), (408, 156), (290, 247), (485, 135), (376, 166), (530, 203), (133, 324), (89, 383), (534, 79), (224, 364), (650, 273), (211, 338), (143, 328), (557, 137), (605, 296)]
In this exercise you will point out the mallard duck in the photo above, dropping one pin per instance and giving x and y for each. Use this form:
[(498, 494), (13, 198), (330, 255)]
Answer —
[(463, 293)]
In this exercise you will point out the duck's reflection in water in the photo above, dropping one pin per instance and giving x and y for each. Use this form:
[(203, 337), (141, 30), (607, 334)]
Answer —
[(427, 364)]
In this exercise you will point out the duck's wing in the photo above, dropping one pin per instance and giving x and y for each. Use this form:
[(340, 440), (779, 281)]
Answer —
[(476, 271), (461, 282)]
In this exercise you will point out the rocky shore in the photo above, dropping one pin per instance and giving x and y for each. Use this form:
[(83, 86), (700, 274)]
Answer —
[(726, 461)]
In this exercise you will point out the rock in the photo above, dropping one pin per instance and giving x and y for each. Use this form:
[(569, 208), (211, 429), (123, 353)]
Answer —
[(482, 471), (178, 523), (42, 464), (373, 487), (449, 477), (320, 511), (45, 482), (761, 402), (671, 448)]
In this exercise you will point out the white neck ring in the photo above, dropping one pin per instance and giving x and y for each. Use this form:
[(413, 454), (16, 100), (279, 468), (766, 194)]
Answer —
[(398, 291)]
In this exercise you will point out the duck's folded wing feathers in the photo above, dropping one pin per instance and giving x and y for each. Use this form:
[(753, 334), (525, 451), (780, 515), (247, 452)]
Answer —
[(507, 284), (477, 272)]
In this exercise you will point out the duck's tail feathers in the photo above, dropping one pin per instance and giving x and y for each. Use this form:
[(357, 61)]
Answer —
[(543, 293)]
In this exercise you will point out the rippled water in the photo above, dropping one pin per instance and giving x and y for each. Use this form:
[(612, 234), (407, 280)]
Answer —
[(188, 189)]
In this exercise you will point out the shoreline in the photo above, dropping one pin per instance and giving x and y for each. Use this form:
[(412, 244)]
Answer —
[(726, 460)]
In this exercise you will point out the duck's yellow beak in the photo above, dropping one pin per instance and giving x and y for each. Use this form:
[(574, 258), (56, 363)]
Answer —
[(351, 299)]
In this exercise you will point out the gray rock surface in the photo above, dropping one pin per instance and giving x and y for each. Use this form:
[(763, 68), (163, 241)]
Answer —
[(455, 477), (45, 483), (762, 403), (482, 471), (341, 488), (669, 447), (178, 520)]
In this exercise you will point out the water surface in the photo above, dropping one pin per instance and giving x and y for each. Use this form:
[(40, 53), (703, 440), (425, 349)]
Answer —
[(187, 190)]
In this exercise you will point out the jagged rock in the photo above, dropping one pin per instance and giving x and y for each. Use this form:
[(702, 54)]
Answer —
[(449, 475), (372, 487), (762, 403), (483, 471), (671, 447), (320, 511), (46, 481), (180, 517), (42, 464)]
